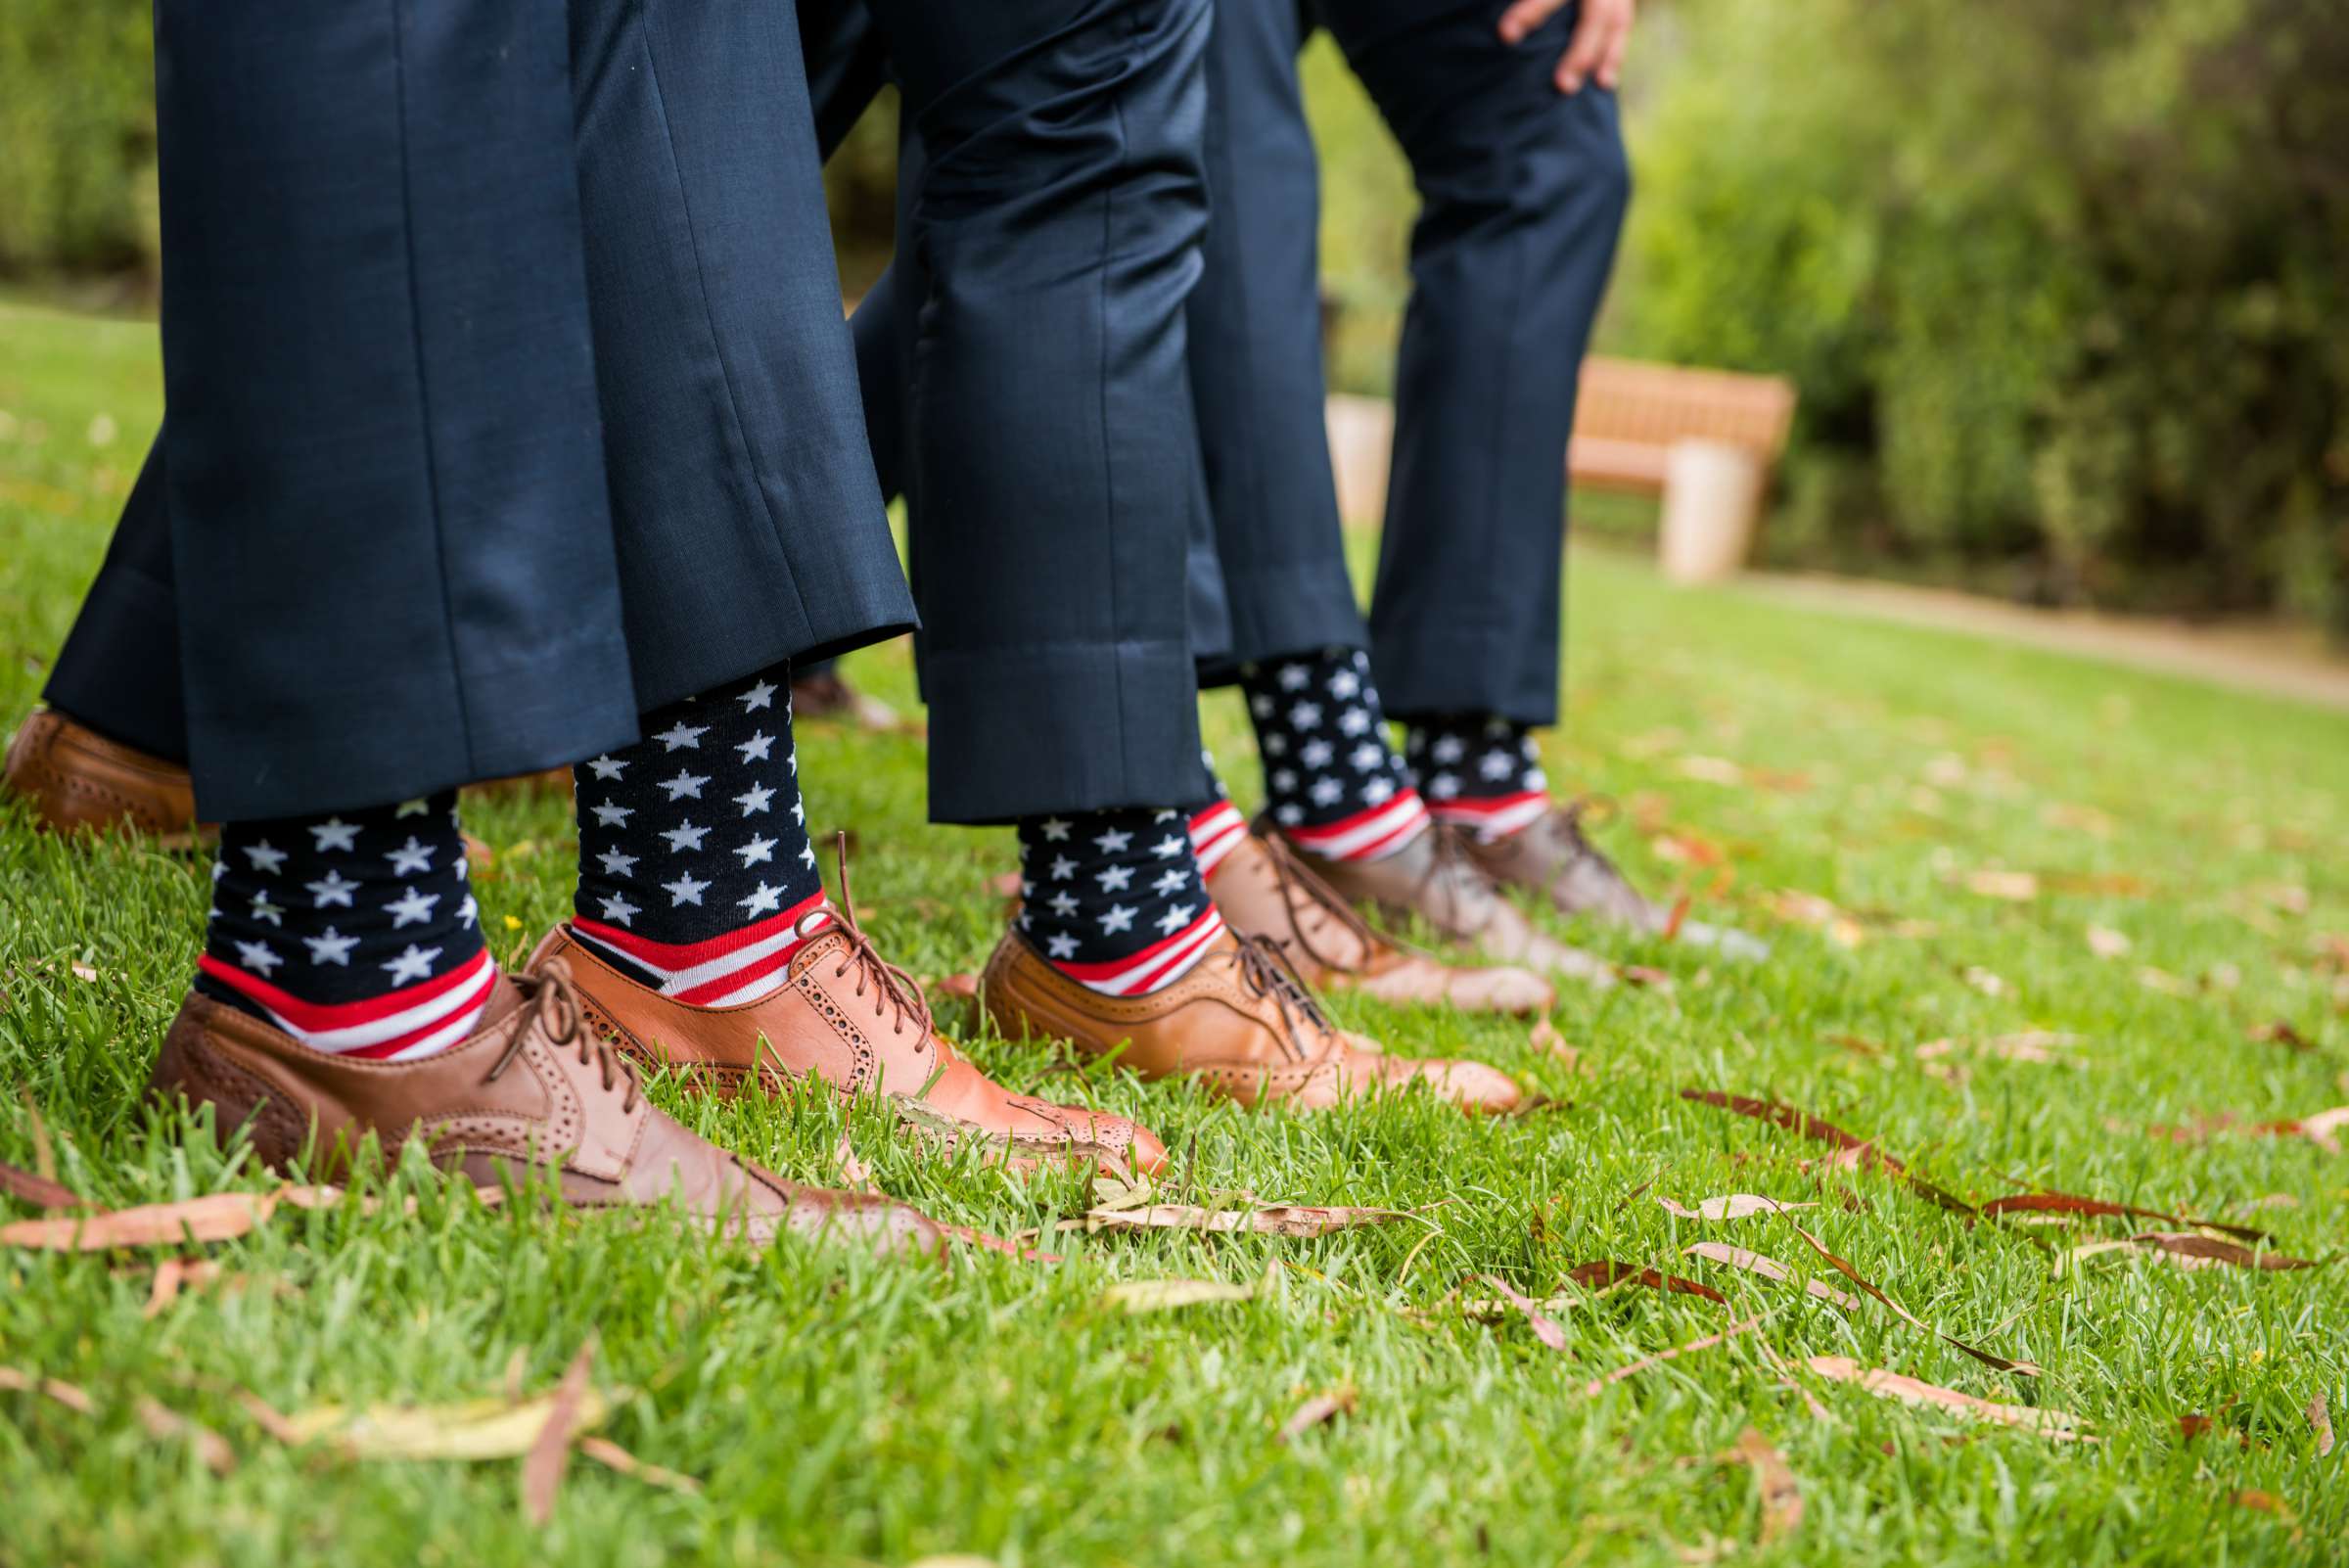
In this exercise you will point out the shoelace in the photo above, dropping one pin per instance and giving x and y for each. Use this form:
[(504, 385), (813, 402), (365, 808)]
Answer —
[(1298, 881), (1453, 872), (1263, 968), (895, 993), (555, 1008), (1566, 823)]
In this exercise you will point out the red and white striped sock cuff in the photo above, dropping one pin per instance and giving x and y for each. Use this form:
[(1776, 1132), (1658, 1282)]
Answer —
[(398, 1026), (1494, 817), (1370, 835), (726, 971), (1155, 967), (1214, 833)]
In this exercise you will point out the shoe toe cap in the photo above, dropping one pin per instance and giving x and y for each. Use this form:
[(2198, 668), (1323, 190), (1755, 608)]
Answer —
[(1504, 990), (1474, 1088)]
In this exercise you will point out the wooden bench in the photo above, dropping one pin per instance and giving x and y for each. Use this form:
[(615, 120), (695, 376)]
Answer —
[(1702, 440)]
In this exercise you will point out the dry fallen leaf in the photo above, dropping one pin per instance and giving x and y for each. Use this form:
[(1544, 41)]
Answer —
[(606, 1452), (1735, 1206), (2318, 1128), (2017, 887), (1166, 1295), (174, 1274), (1281, 1220), (1712, 770), (2161, 979), (855, 1173), (219, 1217), (2098, 1208), (1598, 1385), (209, 1446), (1781, 1495), (2279, 1032), (468, 1429), (2106, 943), (1315, 1411), (58, 1389), (1545, 1329), (2059, 1425), (40, 1191), (2188, 1250), (1988, 982), (1546, 1037), (1986, 1358), (1753, 1262), (2260, 1501), (1606, 1275), (1851, 1152), (542, 1466)]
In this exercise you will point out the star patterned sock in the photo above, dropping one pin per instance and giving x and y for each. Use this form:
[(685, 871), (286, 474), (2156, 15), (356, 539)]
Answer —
[(696, 876), (1480, 774), (355, 933), (1114, 900), (1335, 785)]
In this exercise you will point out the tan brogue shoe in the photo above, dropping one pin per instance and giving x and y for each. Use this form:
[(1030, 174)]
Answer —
[(76, 779), (1240, 1022), (1432, 879), (862, 1025), (1553, 859), (1265, 888), (533, 1089)]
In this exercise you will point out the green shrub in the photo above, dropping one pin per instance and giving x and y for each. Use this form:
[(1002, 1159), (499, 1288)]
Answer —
[(76, 136)]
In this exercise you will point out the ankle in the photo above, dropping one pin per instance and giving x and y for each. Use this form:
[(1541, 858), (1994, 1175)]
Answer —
[(1115, 899)]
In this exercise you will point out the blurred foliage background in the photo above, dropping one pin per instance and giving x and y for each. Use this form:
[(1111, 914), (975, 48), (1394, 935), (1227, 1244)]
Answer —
[(2065, 288)]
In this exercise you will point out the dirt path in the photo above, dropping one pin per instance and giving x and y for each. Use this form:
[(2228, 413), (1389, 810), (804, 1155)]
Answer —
[(2255, 658)]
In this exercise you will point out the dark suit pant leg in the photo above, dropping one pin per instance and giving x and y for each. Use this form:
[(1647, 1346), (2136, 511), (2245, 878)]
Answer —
[(1053, 469), (118, 671), (1523, 193), (390, 537), (750, 527), (1273, 545)]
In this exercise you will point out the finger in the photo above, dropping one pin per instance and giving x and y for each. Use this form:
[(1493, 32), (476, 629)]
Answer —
[(1521, 18), (1584, 51), (1610, 68)]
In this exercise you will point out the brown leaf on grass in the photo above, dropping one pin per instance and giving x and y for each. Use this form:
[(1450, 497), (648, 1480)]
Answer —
[(209, 1446), (1753, 1262), (609, 1454), (1988, 982), (542, 1467), (1598, 1385), (1606, 1274), (2016, 887), (40, 1191), (853, 1172), (1315, 1411), (1166, 1295), (2279, 1032), (468, 1429), (1857, 1044), (1809, 909), (2261, 1501), (1781, 1494), (1851, 1152), (2106, 943), (44, 1157), (1735, 1206), (1281, 1220), (218, 1216), (56, 1388), (2162, 980), (1544, 1038), (987, 1243), (2098, 1209), (2319, 1421), (2188, 1250), (1680, 847), (2318, 1128), (962, 986), (1545, 1328), (174, 1274), (2059, 1425), (1986, 1358), (85, 974), (1679, 917)]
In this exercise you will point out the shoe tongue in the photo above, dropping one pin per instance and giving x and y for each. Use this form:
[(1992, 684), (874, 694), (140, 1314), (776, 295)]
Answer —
[(821, 944), (504, 997)]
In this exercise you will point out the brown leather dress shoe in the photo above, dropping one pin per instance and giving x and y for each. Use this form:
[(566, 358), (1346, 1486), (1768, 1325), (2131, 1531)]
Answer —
[(1240, 1022), (532, 1087), (1432, 879), (1553, 858), (76, 779), (1265, 888), (862, 1025)]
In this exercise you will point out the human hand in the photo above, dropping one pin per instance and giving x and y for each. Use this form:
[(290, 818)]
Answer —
[(1593, 54)]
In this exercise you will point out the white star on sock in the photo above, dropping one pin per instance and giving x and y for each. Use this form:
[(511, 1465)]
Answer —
[(1288, 815), (414, 964), (684, 836), (1261, 705), (681, 736), (332, 948), (1113, 842), (617, 864), (755, 851), (764, 900), (606, 766), (1276, 744), (1353, 720), (1325, 791), (1113, 879), (257, 957), (761, 695), (412, 907), (1117, 917), (1063, 868), (1285, 780), (1305, 716), (1316, 753), (332, 889), (618, 910), (219, 871), (410, 858), (1367, 755), (1175, 919), (1496, 763), (1060, 945), (1379, 791), (808, 854), (1293, 677), (469, 911), (685, 889), (263, 909), (335, 834), (1053, 829), (1343, 683), (1446, 750), (755, 749), (609, 814), (1172, 882), (1443, 786), (754, 799), (686, 785), (1063, 904), (265, 858)]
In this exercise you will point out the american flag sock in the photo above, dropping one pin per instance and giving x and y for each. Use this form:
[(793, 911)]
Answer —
[(355, 933), (1335, 787), (696, 876), (1115, 899), (1480, 773)]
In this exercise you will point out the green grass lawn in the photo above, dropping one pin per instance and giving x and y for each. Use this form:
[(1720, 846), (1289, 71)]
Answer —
[(837, 1409)]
